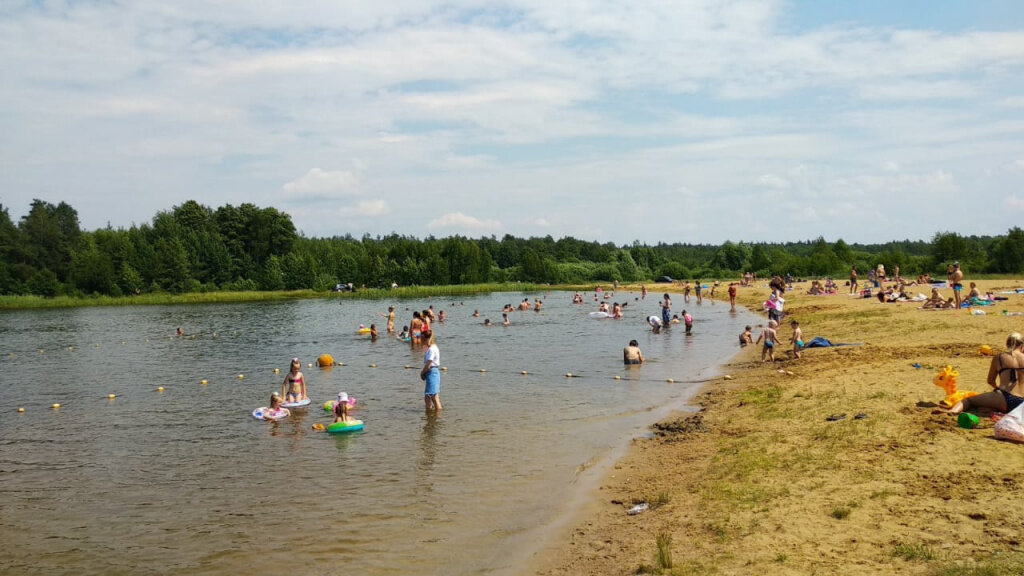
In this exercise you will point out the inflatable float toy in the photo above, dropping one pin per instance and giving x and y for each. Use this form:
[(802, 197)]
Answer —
[(329, 405), (946, 379), (300, 404), (345, 427), (269, 415), (362, 330)]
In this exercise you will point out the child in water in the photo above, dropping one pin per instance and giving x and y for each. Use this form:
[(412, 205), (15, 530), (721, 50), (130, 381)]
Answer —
[(404, 333), (341, 409), (746, 337), (373, 332), (294, 386), (688, 321), (276, 411)]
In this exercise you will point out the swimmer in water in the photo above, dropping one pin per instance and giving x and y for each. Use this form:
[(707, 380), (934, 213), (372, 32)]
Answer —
[(294, 386), (631, 354), (341, 409)]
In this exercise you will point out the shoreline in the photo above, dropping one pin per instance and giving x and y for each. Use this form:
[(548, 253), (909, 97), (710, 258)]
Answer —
[(761, 478), (586, 502)]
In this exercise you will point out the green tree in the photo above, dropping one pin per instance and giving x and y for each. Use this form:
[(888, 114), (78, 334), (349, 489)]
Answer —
[(50, 232), (1008, 252), (947, 247)]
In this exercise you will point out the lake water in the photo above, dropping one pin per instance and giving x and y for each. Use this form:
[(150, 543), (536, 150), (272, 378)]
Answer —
[(185, 481)]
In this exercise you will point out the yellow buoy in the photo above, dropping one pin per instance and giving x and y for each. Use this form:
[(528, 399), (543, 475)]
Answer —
[(341, 363), (240, 376), (482, 370), (71, 347), (277, 370), (444, 368), (670, 381), (618, 377), (373, 365), (21, 409), (325, 360), (55, 406), (568, 374), (204, 381), (523, 372), (407, 366), (159, 388), (728, 377), (310, 365), (111, 396)]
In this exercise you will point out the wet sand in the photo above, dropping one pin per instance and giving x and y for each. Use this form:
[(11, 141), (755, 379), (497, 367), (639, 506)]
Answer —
[(761, 480)]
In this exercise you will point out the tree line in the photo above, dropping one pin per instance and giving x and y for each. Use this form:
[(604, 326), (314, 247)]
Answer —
[(194, 248)]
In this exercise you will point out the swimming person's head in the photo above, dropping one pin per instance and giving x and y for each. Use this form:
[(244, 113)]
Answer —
[(275, 399)]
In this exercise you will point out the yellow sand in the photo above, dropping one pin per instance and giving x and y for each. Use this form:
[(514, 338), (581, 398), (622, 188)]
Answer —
[(760, 482)]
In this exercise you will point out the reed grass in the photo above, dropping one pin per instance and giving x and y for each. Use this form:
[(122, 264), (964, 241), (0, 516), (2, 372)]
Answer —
[(664, 542)]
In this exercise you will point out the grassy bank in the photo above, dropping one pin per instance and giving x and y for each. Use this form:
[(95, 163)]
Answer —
[(408, 292)]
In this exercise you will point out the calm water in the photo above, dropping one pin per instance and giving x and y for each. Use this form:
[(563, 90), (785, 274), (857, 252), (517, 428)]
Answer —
[(185, 481)]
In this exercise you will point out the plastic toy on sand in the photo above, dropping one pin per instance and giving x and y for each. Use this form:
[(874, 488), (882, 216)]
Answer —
[(946, 379)]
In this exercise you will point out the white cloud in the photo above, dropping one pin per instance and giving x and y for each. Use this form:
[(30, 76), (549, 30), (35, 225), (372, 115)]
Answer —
[(891, 166), (773, 181), (321, 184), (367, 208), (542, 222), (457, 221), (1014, 202)]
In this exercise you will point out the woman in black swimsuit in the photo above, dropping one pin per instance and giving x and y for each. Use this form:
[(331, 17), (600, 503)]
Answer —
[(1005, 376)]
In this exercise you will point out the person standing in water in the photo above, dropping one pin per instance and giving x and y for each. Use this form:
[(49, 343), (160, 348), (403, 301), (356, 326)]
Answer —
[(431, 373), (294, 386), (666, 310)]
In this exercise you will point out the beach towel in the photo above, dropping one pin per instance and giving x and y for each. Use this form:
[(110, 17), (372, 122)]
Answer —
[(819, 342), (1011, 426)]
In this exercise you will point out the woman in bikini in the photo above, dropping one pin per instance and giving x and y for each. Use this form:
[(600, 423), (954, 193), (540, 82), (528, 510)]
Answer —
[(294, 386), (1005, 375)]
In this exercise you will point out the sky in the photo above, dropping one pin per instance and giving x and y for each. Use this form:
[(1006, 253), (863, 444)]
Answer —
[(691, 121)]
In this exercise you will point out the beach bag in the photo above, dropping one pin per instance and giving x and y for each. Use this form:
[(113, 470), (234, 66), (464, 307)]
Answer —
[(1011, 426)]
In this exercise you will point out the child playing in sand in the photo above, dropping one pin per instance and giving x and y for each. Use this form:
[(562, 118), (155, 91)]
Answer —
[(771, 338), (797, 339)]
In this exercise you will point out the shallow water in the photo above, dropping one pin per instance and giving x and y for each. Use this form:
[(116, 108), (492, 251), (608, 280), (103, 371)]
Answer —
[(186, 481)]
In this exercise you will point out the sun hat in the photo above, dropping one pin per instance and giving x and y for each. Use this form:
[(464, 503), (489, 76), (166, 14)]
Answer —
[(343, 397)]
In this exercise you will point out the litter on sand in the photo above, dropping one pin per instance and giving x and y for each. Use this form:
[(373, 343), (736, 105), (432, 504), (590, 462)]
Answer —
[(641, 507)]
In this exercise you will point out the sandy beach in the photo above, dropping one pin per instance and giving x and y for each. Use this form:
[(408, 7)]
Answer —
[(839, 462)]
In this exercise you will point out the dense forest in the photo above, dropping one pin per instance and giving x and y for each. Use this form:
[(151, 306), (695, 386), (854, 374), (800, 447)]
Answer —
[(194, 248)]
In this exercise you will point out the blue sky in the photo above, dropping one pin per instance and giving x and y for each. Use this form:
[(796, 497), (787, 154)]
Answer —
[(688, 121)]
